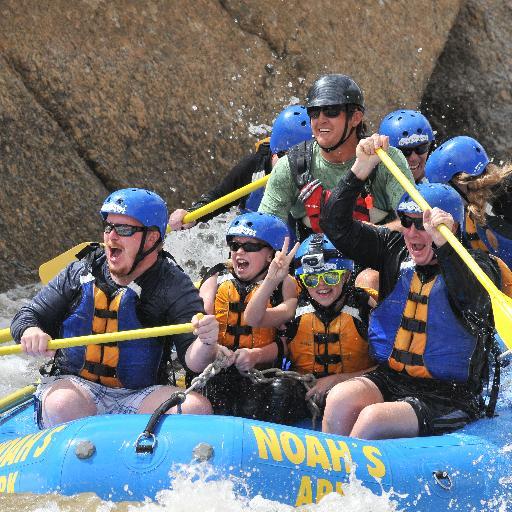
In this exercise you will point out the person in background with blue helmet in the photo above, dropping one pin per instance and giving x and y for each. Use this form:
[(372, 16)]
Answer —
[(328, 334), (254, 239), (432, 331), (290, 127), (130, 283), (463, 163), (411, 133)]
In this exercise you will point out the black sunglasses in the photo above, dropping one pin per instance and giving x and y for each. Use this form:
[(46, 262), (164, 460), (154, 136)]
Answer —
[(246, 246), (329, 111), (122, 229), (419, 150), (407, 221)]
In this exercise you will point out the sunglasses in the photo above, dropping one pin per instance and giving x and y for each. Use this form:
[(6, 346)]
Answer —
[(329, 111), (121, 229), (330, 278), (419, 150), (246, 246), (407, 221)]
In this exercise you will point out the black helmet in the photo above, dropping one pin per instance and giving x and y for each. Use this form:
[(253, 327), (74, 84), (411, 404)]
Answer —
[(334, 89)]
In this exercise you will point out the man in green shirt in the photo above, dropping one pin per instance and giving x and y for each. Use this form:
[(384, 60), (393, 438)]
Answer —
[(300, 180)]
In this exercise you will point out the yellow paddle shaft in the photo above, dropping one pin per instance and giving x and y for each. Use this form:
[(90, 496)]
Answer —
[(5, 335), (444, 230), (109, 337), (16, 396), (224, 200)]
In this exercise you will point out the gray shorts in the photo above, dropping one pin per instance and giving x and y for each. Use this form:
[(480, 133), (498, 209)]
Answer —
[(107, 400)]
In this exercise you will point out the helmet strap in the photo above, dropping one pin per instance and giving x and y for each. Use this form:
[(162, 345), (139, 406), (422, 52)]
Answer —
[(141, 254), (344, 136), (462, 194), (262, 271)]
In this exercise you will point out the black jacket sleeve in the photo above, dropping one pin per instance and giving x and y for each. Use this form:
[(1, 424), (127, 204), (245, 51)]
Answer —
[(467, 295), (169, 297), (239, 176), (51, 305), (368, 245)]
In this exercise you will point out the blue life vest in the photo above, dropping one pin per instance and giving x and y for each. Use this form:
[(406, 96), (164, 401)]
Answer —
[(129, 364), (496, 244), (415, 330)]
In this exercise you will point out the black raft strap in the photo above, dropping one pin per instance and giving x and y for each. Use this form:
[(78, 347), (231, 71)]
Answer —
[(411, 324), (408, 358)]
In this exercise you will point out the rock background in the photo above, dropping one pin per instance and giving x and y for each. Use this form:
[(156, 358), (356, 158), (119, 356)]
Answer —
[(97, 95), (470, 90)]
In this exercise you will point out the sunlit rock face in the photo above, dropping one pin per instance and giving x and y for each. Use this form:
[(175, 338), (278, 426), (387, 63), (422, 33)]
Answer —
[(470, 90), (97, 95)]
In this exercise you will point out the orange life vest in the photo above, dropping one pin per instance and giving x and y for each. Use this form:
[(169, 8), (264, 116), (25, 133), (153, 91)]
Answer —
[(410, 341), (231, 300), (106, 354), (472, 235), (328, 349)]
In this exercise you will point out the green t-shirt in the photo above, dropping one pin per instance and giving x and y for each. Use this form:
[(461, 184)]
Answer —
[(280, 197)]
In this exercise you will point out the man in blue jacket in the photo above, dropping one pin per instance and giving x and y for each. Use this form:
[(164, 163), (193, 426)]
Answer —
[(131, 283)]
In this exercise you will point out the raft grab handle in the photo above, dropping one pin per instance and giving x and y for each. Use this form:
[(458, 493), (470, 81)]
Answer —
[(443, 479)]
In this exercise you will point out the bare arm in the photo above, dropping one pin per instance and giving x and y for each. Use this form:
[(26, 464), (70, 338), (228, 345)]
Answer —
[(207, 292), (256, 313), (247, 358), (203, 350)]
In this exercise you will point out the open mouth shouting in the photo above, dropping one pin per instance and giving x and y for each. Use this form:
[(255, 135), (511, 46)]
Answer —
[(241, 266)]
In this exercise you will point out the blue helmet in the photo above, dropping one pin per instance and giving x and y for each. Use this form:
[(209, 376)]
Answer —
[(145, 206), (406, 129), (317, 254), (263, 226), (460, 154), (437, 195), (291, 126)]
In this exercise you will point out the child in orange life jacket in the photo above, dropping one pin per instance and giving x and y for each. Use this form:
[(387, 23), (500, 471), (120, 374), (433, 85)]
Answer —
[(328, 336), (253, 239)]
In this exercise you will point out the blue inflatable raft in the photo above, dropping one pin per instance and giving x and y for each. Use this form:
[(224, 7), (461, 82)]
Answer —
[(467, 470)]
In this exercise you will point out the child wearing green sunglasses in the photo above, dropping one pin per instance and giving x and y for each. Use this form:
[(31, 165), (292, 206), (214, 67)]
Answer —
[(328, 336)]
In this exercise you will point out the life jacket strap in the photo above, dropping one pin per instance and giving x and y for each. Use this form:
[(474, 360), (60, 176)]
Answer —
[(327, 359), (408, 358), (100, 370), (237, 307), (239, 330), (414, 325), (105, 313), (325, 338), (418, 297)]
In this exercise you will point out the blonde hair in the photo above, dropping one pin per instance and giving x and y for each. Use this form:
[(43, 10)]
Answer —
[(481, 189)]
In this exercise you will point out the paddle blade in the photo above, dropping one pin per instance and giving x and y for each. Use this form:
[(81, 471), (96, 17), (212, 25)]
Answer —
[(502, 310), (49, 269)]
